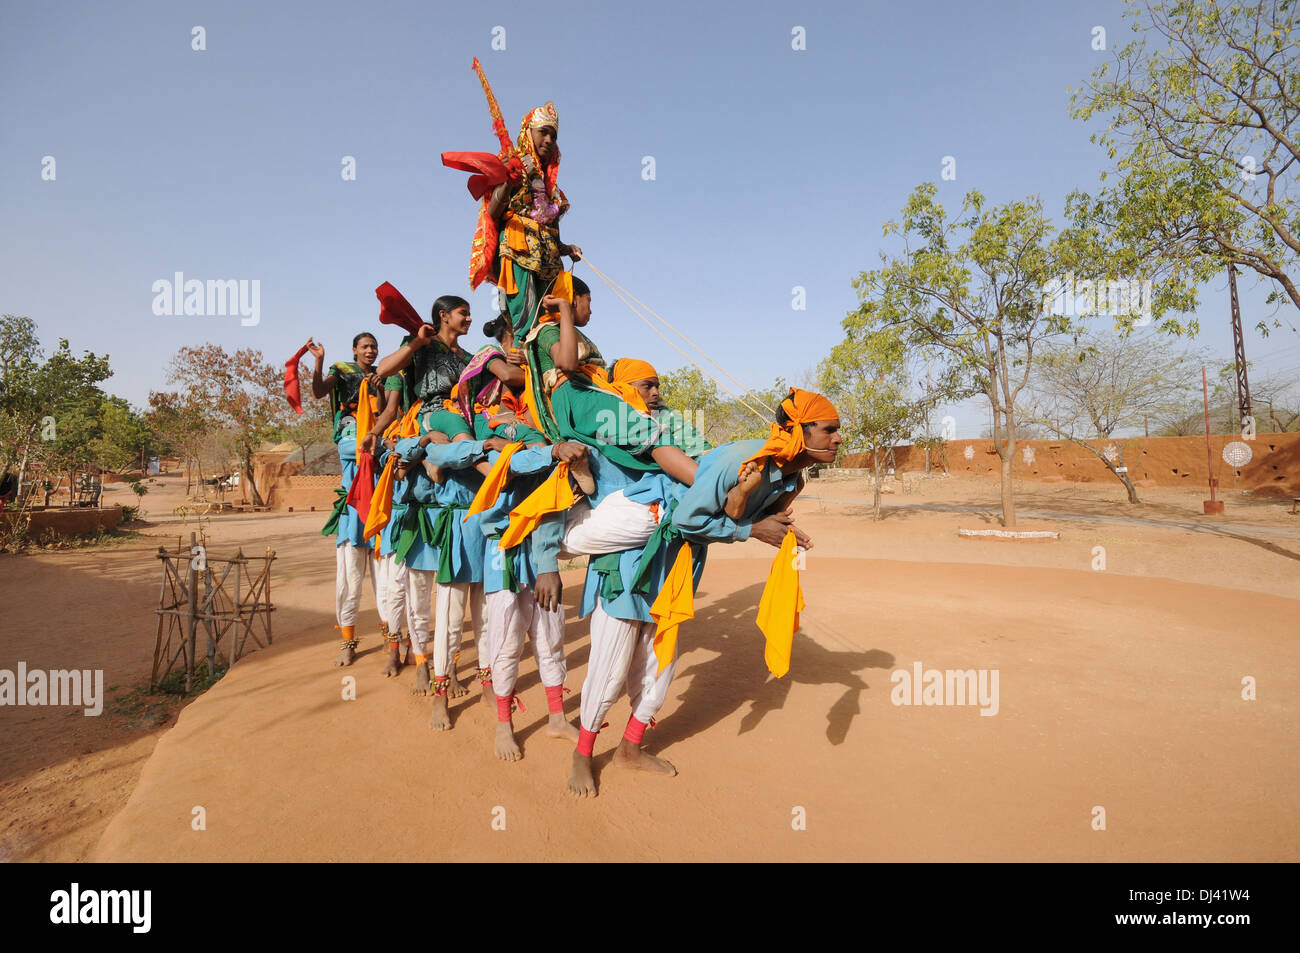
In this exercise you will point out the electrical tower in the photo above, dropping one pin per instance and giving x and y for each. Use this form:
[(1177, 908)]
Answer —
[(1239, 352)]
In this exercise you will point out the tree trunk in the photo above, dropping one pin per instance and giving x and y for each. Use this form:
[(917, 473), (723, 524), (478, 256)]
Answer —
[(875, 477), (22, 470), (1006, 448), (1128, 485), (1008, 498), (252, 487), (1114, 468)]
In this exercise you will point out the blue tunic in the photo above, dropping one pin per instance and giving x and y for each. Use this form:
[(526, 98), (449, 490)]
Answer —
[(351, 525), (700, 515), (629, 605), (539, 552), (455, 493)]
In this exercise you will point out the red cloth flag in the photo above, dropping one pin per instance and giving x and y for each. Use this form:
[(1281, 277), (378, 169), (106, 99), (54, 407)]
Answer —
[(363, 486), (291, 388), (394, 309)]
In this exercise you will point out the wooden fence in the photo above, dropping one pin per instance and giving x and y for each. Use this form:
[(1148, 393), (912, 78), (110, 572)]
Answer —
[(229, 596)]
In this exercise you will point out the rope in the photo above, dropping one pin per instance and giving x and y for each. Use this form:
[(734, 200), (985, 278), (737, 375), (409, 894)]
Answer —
[(708, 358), (627, 298)]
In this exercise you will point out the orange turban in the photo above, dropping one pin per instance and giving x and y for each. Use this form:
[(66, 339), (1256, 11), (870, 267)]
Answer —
[(786, 442), (628, 370)]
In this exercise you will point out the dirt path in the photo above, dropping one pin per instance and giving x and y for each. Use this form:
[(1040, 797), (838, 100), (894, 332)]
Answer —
[(1119, 688)]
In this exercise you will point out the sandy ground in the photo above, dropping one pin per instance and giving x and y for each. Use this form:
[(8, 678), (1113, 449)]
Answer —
[(1119, 689)]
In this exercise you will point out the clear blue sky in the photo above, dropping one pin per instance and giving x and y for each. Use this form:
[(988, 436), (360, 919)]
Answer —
[(774, 167)]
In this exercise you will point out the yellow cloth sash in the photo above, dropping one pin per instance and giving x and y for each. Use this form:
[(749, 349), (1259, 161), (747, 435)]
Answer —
[(553, 496), (494, 482), (367, 410), (779, 608), (674, 605)]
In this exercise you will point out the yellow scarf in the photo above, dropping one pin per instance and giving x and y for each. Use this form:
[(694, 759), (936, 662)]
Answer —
[(381, 502), (494, 482), (779, 608), (553, 496), (674, 605)]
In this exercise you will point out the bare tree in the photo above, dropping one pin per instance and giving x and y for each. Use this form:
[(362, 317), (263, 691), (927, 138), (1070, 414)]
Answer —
[(1088, 390)]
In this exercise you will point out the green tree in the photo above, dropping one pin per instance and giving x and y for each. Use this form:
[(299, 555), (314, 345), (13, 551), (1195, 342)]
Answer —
[(721, 419), (123, 438), (1201, 111), (868, 379), (45, 404), (968, 293)]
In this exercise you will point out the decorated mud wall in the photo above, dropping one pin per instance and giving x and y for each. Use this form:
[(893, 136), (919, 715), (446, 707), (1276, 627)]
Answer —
[(1274, 467)]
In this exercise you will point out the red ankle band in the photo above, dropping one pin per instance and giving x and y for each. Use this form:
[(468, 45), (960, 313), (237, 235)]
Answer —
[(504, 707), (635, 730), (586, 742), (555, 699)]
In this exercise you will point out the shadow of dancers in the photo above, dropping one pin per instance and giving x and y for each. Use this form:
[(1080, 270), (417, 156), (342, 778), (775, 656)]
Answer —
[(738, 673)]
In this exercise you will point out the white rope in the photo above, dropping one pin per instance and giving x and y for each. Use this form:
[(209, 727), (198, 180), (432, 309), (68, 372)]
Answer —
[(627, 298)]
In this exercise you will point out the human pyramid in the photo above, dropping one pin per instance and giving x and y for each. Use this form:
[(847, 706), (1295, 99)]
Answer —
[(468, 477)]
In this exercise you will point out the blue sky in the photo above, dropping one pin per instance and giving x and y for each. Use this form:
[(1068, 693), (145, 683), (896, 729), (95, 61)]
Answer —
[(774, 168)]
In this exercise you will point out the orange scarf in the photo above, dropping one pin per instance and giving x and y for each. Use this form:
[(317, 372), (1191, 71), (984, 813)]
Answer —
[(494, 482), (786, 443), (629, 370), (779, 608), (381, 503), (674, 605), (553, 496)]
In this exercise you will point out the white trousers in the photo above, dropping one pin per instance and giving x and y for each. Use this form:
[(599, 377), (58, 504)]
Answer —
[(351, 566), (390, 585), (511, 616), (615, 525), (449, 620), (622, 655)]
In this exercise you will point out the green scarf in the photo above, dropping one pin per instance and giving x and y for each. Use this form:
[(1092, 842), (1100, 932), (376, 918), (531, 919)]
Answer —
[(611, 579), (508, 578), (415, 523), (668, 539), (340, 504)]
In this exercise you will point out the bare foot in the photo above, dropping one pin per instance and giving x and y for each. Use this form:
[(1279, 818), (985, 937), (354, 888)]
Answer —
[(347, 652), (628, 755), (394, 661), (581, 472), (440, 720), (455, 687), (421, 679), (581, 783), (488, 693), (557, 727), (507, 747), (406, 652), (750, 476)]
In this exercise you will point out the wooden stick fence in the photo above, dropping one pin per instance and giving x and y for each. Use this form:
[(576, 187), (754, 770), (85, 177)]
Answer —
[(226, 595)]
